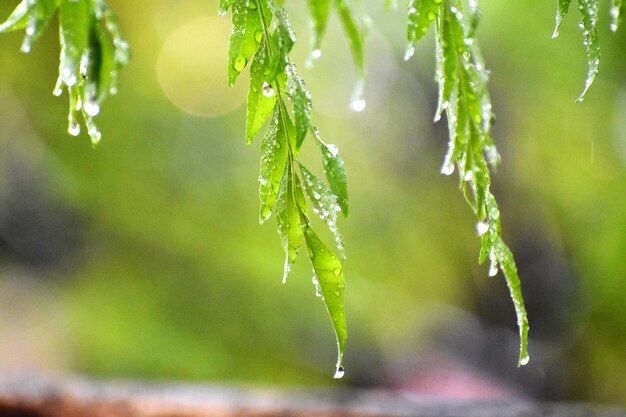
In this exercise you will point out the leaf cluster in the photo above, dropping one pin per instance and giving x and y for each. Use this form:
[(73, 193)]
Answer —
[(262, 38), (92, 52)]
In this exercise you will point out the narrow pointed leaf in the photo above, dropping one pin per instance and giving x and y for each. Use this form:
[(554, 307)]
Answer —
[(282, 40), (273, 159), (288, 218), (324, 203), (561, 12), (19, 17), (588, 18), (329, 272), (74, 19), (246, 35), (617, 10), (354, 31), (320, 10), (302, 105), (335, 172), (223, 6), (422, 13), (31, 16), (261, 96), (507, 263)]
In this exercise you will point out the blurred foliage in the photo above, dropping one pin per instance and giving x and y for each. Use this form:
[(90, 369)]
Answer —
[(168, 275)]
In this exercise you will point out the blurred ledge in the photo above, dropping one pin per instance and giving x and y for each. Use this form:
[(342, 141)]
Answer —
[(49, 396)]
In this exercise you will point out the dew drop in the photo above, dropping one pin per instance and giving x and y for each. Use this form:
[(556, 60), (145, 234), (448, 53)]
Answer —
[(410, 50), (337, 272), (447, 168), (524, 361), (74, 128), (339, 373), (358, 105), (258, 35), (268, 91), (316, 54), (92, 107), (482, 228), (240, 63), (493, 269), (266, 211)]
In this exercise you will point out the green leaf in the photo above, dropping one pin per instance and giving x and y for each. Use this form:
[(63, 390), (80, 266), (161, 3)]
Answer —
[(617, 10), (246, 35), (320, 11), (507, 263), (335, 171), (588, 18), (302, 105), (354, 31), (74, 19), (261, 96), (561, 12), (324, 203), (32, 16), (282, 40), (329, 277), (288, 218), (422, 13), (273, 160), (223, 7)]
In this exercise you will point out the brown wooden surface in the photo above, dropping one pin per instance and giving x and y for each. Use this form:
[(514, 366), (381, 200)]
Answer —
[(36, 396)]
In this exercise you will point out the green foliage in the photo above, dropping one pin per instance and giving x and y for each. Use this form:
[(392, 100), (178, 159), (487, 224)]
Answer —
[(92, 52), (588, 23), (262, 33)]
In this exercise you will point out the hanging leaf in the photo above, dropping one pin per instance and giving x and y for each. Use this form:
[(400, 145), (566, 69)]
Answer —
[(561, 12), (588, 18), (320, 11), (31, 16), (335, 171), (288, 217), (261, 96), (302, 105), (329, 276), (273, 160), (245, 36), (324, 203), (617, 10), (354, 31), (422, 13)]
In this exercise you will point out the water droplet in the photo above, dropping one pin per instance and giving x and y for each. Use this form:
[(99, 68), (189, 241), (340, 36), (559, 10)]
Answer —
[(26, 46), (92, 107), (410, 50), (74, 128), (482, 228), (493, 269), (447, 168), (316, 54), (524, 361), (266, 212), (339, 373), (258, 35), (431, 16), (358, 105), (57, 90), (337, 272), (268, 91), (240, 63)]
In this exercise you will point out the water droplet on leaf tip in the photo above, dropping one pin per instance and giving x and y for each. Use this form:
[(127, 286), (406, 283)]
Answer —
[(524, 361), (74, 129), (447, 169), (316, 54), (358, 105), (493, 269), (410, 50), (339, 373), (482, 228)]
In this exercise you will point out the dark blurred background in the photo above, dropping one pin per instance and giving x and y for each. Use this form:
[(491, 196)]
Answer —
[(143, 258)]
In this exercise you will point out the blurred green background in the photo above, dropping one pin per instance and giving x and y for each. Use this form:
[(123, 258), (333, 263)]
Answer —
[(143, 258)]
